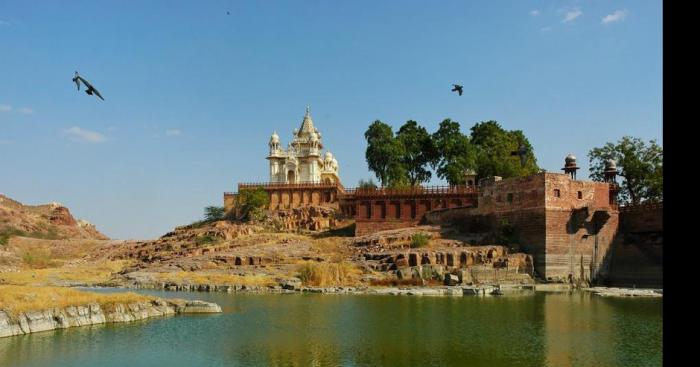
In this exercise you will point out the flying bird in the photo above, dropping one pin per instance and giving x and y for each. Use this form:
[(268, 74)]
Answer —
[(457, 88), (522, 152), (227, 13), (90, 89)]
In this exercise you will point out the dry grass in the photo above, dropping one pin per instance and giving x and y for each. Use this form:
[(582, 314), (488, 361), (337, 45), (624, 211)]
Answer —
[(188, 277), (41, 254), (16, 299), (86, 273), (329, 274), (336, 247)]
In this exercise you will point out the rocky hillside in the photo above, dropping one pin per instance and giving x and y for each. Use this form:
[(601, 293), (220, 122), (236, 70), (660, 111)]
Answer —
[(49, 221)]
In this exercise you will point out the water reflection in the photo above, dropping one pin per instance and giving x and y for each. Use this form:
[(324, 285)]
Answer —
[(325, 330)]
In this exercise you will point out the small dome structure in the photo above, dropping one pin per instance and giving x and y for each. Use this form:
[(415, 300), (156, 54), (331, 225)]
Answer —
[(274, 138), (570, 166), (328, 156), (610, 164)]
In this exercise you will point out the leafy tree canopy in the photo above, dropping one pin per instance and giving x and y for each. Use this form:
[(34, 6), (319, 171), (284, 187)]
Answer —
[(639, 164), (456, 153), (493, 146), (383, 152), (418, 151)]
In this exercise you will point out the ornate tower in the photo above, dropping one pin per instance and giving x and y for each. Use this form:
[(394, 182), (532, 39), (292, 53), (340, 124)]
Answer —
[(301, 161)]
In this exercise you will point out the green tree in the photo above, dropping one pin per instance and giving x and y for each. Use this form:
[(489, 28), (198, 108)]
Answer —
[(251, 200), (456, 153), (212, 213), (383, 153), (640, 165), (418, 151), (493, 147)]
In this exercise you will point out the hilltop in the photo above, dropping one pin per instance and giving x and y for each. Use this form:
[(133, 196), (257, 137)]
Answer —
[(49, 221)]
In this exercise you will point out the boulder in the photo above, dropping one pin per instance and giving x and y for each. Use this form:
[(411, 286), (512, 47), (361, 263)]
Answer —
[(451, 279)]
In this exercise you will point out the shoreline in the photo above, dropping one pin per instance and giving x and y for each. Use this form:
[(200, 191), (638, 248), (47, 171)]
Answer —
[(93, 314), (444, 290)]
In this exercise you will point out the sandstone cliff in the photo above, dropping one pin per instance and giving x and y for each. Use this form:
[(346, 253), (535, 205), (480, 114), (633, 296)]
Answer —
[(49, 221)]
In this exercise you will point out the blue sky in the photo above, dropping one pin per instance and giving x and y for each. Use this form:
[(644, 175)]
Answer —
[(192, 94)]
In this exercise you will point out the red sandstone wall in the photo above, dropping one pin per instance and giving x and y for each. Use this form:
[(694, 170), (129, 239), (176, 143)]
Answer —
[(572, 250), (636, 258), (642, 218), (540, 207), (637, 262)]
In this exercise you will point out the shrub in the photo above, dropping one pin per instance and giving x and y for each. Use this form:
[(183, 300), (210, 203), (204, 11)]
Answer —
[(251, 199), (327, 274), (6, 233), (420, 240), (213, 213), (37, 258), (205, 240)]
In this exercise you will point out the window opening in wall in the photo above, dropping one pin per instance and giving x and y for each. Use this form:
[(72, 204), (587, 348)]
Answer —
[(557, 193), (580, 195), (509, 198)]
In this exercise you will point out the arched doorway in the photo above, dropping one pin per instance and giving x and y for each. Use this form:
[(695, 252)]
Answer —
[(291, 177)]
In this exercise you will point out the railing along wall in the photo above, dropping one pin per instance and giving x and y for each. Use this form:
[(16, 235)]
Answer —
[(417, 190), (284, 185), (641, 207)]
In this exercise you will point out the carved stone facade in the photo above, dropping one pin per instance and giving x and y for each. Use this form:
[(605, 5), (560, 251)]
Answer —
[(301, 162)]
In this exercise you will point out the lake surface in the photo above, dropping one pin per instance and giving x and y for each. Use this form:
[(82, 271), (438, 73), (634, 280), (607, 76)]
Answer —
[(364, 330)]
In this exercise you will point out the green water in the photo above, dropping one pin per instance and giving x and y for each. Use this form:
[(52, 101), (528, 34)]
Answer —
[(351, 330)]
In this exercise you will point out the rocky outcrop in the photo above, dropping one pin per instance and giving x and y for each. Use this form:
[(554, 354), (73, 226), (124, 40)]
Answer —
[(462, 265), (312, 218), (91, 314), (43, 221), (393, 238)]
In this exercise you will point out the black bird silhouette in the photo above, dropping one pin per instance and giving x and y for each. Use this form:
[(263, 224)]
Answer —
[(522, 152), (457, 88), (90, 89), (227, 13)]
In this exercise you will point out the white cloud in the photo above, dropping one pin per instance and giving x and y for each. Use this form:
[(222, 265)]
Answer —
[(546, 29), (571, 15), (173, 132), (535, 12), (5, 108), (617, 16), (4, 22), (78, 134), (26, 110)]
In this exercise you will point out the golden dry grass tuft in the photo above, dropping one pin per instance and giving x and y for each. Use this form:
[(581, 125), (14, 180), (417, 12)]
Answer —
[(15, 299), (188, 277), (85, 273), (329, 274)]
